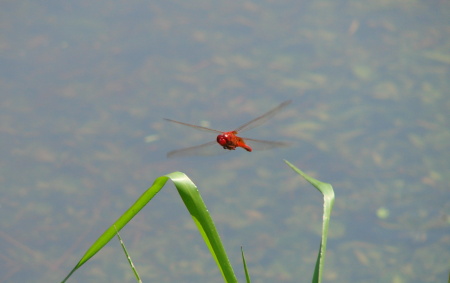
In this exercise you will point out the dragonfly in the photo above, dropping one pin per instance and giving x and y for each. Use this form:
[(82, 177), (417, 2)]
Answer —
[(230, 140)]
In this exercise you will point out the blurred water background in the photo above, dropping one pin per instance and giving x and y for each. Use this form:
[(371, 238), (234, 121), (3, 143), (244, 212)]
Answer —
[(84, 88)]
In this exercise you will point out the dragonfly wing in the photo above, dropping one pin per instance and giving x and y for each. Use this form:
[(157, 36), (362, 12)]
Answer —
[(193, 126), (263, 118), (263, 145), (209, 148)]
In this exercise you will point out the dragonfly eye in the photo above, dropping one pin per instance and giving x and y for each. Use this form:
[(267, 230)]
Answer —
[(222, 140)]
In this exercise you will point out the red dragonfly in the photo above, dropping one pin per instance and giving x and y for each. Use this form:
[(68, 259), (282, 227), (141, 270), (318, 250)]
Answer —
[(230, 140)]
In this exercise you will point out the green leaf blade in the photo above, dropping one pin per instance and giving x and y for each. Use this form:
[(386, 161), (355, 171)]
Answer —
[(200, 214), (120, 223), (328, 197), (194, 203)]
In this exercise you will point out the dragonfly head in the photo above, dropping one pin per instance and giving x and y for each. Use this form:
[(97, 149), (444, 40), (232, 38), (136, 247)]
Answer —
[(227, 141), (222, 140)]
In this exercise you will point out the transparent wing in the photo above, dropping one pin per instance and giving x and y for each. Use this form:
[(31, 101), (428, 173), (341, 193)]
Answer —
[(193, 126), (209, 148), (263, 118), (263, 145)]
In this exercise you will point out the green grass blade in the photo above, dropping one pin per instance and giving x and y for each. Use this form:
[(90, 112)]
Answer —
[(136, 274), (121, 222), (199, 212), (328, 196), (247, 276), (196, 207)]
